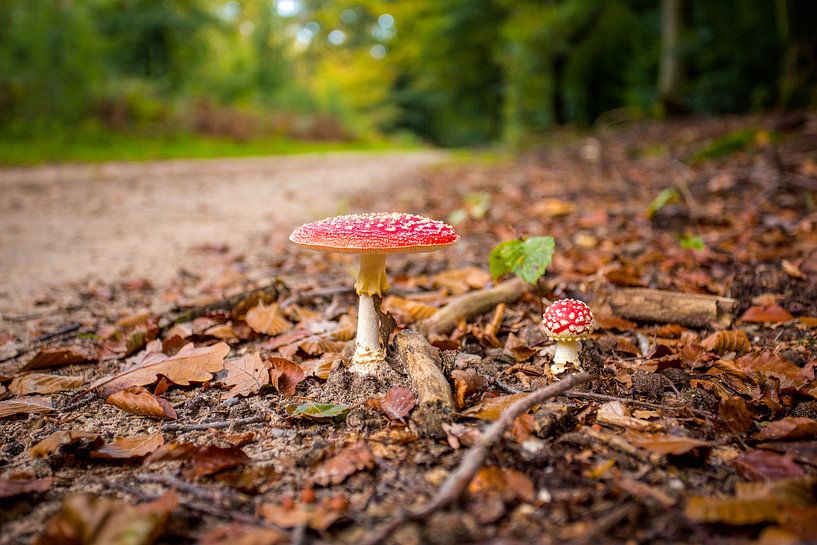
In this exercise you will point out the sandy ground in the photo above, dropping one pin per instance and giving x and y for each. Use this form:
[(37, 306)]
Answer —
[(140, 220)]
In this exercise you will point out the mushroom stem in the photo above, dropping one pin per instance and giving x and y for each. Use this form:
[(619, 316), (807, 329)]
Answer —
[(367, 345), (566, 352), (371, 278)]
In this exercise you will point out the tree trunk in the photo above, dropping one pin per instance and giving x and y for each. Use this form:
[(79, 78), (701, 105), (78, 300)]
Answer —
[(670, 69)]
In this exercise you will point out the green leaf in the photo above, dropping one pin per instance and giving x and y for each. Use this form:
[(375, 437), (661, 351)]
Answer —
[(528, 259), (318, 411), (691, 242), (667, 196)]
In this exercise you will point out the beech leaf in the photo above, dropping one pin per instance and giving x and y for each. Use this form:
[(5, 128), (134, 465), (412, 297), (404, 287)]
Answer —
[(137, 400), (135, 446), (59, 439), (350, 460), (18, 487), (791, 427), (245, 375), (25, 405), (528, 259), (318, 411), (285, 375), (40, 383), (398, 403)]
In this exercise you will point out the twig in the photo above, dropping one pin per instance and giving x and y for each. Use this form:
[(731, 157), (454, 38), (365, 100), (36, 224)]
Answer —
[(64, 330), (303, 296), (212, 496), (604, 397), (458, 480), (218, 424), (225, 304)]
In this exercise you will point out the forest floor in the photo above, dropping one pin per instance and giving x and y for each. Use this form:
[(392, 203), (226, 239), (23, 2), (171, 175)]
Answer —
[(217, 405)]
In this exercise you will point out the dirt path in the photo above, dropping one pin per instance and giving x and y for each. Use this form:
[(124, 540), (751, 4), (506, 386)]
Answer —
[(127, 220)]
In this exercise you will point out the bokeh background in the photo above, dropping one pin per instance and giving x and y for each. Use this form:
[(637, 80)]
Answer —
[(97, 79)]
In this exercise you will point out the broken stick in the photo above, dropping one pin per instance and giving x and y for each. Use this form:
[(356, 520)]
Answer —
[(691, 309), (453, 487), (422, 363), (473, 304)]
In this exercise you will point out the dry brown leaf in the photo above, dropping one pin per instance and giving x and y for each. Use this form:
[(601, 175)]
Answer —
[(17, 487), (764, 465), (664, 444), (285, 375), (137, 400), (509, 484), (398, 403), (769, 364), (319, 344), (407, 310), (40, 383), (491, 408), (346, 329), (268, 320), (212, 459), (610, 322), (187, 366), (350, 460), (59, 439), (25, 405), (48, 358), (460, 281), (322, 366), (753, 503), (245, 375), (766, 314), (241, 534), (466, 383), (722, 342), (616, 414), (317, 516), (790, 427), (135, 446), (223, 332), (85, 520), (734, 415)]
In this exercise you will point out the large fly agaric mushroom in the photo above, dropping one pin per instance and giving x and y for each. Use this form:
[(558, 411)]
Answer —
[(373, 236), (567, 321)]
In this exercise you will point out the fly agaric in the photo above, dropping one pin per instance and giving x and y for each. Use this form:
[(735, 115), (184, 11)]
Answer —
[(373, 236), (567, 321)]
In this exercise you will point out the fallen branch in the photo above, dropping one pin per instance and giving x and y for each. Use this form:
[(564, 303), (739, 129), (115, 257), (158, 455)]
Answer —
[(473, 304), (604, 397), (218, 424), (272, 291), (458, 480), (691, 309), (422, 363)]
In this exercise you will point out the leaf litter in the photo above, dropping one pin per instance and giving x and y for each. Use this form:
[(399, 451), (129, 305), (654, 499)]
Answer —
[(714, 419)]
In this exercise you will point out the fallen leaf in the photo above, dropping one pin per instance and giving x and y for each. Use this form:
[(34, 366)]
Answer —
[(48, 358), (285, 375), (187, 366), (137, 400), (764, 314), (466, 383), (790, 427), (350, 460), (268, 320), (616, 414), (508, 484), (407, 310), (611, 322), (318, 411), (62, 438), (39, 383), (802, 451), (17, 487), (734, 415), (722, 342), (764, 465), (491, 409), (25, 405), (85, 520), (317, 516), (135, 446), (322, 366), (172, 451), (398, 403), (664, 444), (460, 281), (242, 534), (212, 459), (245, 375), (769, 364)]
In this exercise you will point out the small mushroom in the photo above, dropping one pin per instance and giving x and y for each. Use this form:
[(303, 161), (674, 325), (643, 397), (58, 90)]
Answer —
[(567, 321), (373, 236)]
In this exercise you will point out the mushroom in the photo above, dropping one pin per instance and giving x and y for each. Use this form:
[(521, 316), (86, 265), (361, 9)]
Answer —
[(567, 321), (373, 236)]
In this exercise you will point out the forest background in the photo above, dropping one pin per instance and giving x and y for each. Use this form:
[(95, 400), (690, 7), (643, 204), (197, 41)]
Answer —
[(138, 79)]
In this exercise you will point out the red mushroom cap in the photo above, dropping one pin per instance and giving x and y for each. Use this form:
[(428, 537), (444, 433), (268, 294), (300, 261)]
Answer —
[(568, 319), (378, 233)]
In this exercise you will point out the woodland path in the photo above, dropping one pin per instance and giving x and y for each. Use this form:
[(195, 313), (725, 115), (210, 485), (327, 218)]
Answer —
[(112, 221)]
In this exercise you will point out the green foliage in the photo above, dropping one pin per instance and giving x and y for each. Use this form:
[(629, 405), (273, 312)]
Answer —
[(666, 196), (318, 411), (475, 206), (727, 144), (691, 242), (528, 259)]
